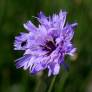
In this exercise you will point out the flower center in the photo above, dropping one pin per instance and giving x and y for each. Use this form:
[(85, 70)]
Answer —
[(49, 47)]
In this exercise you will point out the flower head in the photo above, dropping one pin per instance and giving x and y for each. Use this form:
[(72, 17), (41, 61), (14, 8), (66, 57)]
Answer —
[(45, 46)]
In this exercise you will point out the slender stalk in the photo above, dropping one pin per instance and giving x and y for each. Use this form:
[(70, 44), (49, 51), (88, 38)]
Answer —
[(52, 84), (39, 82)]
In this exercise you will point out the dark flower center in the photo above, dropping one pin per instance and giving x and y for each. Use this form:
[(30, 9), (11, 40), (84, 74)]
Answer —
[(23, 43), (49, 47)]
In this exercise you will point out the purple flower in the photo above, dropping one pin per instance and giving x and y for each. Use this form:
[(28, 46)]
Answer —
[(45, 46)]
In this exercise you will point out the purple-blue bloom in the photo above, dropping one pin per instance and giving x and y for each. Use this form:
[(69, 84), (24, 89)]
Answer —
[(45, 46)]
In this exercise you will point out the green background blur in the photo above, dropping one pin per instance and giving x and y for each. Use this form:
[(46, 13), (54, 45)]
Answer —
[(13, 13)]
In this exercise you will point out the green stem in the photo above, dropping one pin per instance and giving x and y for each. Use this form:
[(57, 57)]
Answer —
[(52, 83), (39, 82)]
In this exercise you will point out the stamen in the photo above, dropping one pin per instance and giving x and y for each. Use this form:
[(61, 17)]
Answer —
[(49, 46)]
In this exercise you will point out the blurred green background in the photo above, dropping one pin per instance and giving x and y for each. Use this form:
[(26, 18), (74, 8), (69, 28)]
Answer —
[(13, 13)]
